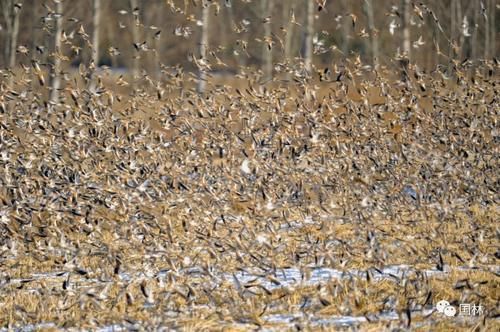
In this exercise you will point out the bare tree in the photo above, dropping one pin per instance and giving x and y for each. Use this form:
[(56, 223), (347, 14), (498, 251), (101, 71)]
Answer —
[(267, 51), (11, 12), (346, 27), (205, 18), (373, 37), (493, 27), (461, 38), (157, 45), (56, 69), (230, 15), (241, 21), (405, 8), (308, 54), (487, 35), (474, 43), (289, 24), (15, 30), (135, 37), (34, 9), (96, 18), (453, 25), (288, 11)]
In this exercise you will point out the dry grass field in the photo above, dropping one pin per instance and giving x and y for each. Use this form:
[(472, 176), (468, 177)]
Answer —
[(249, 165), (355, 203)]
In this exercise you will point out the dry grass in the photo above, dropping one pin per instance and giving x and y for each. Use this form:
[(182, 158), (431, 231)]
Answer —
[(149, 206)]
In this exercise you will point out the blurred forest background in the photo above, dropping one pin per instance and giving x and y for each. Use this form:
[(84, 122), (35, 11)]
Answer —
[(142, 37)]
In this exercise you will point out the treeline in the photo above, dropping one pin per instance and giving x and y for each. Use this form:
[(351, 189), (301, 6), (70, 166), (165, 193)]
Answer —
[(145, 35)]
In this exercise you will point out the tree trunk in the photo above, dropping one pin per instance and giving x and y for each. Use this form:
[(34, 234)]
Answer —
[(371, 26), (94, 63), (405, 8), (267, 51), (461, 38), (493, 28), (95, 33), (6, 11), (34, 32), (308, 54), (35, 56), (487, 32), (158, 45), (475, 27), (13, 35), (135, 39), (288, 8), (453, 26), (406, 42), (11, 11), (202, 80), (346, 27), (56, 74), (230, 14)]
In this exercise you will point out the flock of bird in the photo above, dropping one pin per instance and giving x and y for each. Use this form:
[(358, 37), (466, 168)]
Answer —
[(148, 210)]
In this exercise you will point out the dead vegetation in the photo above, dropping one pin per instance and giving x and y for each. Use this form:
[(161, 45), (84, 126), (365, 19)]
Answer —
[(354, 196), (143, 210)]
